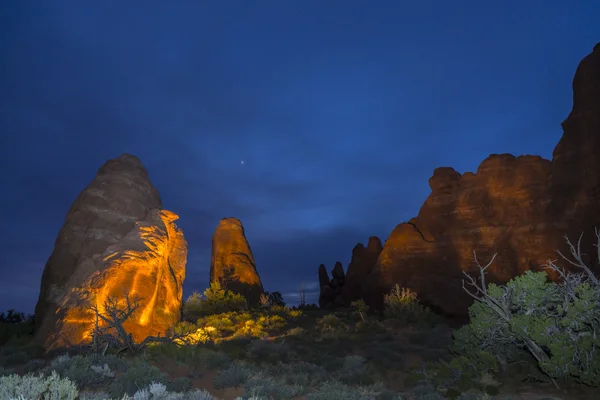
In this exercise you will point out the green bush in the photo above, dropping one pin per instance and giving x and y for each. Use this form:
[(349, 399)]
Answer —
[(333, 390), (29, 386), (457, 375), (557, 322), (403, 305), (139, 374), (264, 386), (332, 326), (265, 351), (87, 370), (216, 300), (19, 350), (236, 375), (270, 299)]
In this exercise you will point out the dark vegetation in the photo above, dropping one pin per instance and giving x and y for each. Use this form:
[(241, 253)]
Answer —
[(530, 332)]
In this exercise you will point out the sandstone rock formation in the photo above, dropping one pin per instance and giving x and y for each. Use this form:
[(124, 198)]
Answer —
[(361, 265), (232, 263), (330, 288), (343, 289), (519, 207), (115, 240)]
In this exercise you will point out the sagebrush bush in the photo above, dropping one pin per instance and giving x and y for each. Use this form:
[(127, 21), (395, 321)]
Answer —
[(332, 326), (402, 304), (265, 351), (360, 307), (269, 387), (333, 390), (32, 387), (138, 374), (88, 370), (302, 374), (458, 375), (19, 350), (235, 375), (353, 371), (216, 300)]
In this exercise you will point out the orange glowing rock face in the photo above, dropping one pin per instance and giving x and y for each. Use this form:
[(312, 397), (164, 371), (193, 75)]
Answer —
[(148, 263), (232, 263)]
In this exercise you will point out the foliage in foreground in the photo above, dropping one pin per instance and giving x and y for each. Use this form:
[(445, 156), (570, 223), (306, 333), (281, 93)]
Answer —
[(556, 322), (216, 300), (403, 305)]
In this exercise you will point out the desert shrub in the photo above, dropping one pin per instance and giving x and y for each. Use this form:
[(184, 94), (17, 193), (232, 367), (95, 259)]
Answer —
[(180, 384), (300, 374), (87, 370), (370, 326), (52, 387), (353, 371), (284, 312), (266, 351), (14, 317), (439, 336), (139, 374), (403, 305), (297, 331), (225, 324), (458, 375), (15, 325), (215, 359), (557, 322), (266, 386), (158, 391), (332, 325), (34, 365), (360, 307), (422, 392), (240, 324), (216, 300), (200, 335), (332, 390), (235, 375), (194, 357), (308, 307), (18, 350), (270, 299)]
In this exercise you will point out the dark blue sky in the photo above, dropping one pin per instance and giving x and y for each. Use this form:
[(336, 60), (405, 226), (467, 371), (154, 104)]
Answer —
[(340, 111)]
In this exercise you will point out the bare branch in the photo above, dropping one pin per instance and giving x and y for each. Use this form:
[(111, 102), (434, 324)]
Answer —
[(482, 270)]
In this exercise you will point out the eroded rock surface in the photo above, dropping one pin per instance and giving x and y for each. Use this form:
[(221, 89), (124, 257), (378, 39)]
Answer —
[(518, 207), (115, 240), (232, 263)]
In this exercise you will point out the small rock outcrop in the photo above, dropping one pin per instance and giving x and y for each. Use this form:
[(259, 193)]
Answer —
[(344, 288), (330, 288), (518, 207), (361, 265), (232, 263), (116, 240)]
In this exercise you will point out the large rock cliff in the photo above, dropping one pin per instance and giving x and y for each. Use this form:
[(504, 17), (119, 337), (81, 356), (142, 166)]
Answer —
[(116, 240), (518, 207)]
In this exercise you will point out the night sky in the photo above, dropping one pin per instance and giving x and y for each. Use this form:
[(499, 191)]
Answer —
[(339, 110)]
